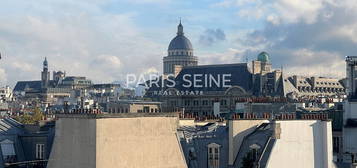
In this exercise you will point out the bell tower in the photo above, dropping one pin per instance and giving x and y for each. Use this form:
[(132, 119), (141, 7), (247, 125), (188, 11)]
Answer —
[(45, 74)]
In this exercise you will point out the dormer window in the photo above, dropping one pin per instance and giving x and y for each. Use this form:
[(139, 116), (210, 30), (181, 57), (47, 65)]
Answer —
[(40, 151), (213, 155), (8, 151)]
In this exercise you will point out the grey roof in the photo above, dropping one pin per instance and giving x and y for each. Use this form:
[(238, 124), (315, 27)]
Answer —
[(196, 139), (240, 76), (24, 140), (24, 85), (31, 85), (72, 78), (289, 87), (180, 42)]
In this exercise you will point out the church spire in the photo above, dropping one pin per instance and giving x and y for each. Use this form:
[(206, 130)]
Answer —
[(45, 63), (180, 29)]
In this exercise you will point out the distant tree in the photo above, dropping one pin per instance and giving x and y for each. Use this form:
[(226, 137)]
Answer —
[(30, 118), (37, 115), (24, 119)]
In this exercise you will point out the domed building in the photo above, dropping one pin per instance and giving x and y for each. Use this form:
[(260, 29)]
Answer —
[(262, 64), (179, 53), (263, 57)]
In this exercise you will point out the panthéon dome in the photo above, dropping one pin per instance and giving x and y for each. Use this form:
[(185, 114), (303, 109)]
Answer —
[(180, 42)]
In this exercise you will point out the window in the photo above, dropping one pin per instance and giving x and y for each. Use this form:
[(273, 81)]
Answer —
[(40, 151), (146, 109), (8, 151), (336, 144), (213, 155), (187, 102), (195, 103), (205, 102), (223, 102)]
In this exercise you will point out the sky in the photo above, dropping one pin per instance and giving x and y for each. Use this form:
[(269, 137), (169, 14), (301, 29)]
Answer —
[(105, 40)]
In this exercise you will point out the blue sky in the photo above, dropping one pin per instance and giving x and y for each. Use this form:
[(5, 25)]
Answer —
[(107, 39)]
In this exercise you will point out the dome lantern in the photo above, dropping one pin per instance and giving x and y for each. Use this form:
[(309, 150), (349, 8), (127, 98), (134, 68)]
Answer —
[(180, 42)]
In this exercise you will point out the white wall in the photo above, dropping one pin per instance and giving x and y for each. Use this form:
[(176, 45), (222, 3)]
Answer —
[(303, 144), (139, 142)]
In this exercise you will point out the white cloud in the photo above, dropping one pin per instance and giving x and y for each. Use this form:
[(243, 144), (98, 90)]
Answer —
[(226, 57), (274, 19), (149, 1), (348, 31), (92, 43), (3, 77), (293, 11), (288, 11), (80, 37), (151, 70)]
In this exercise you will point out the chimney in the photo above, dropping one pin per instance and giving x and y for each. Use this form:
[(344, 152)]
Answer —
[(276, 130)]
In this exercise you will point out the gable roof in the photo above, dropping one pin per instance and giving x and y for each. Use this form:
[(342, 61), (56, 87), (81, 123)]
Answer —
[(27, 85), (239, 76)]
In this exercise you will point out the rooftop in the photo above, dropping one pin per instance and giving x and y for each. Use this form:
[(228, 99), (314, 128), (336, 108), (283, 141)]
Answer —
[(116, 115)]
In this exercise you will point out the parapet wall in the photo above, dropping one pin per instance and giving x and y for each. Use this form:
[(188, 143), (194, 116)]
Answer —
[(303, 143), (112, 142), (74, 144)]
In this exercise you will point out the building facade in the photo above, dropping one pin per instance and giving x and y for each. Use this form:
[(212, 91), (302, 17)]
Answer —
[(220, 86), (350, 114)]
